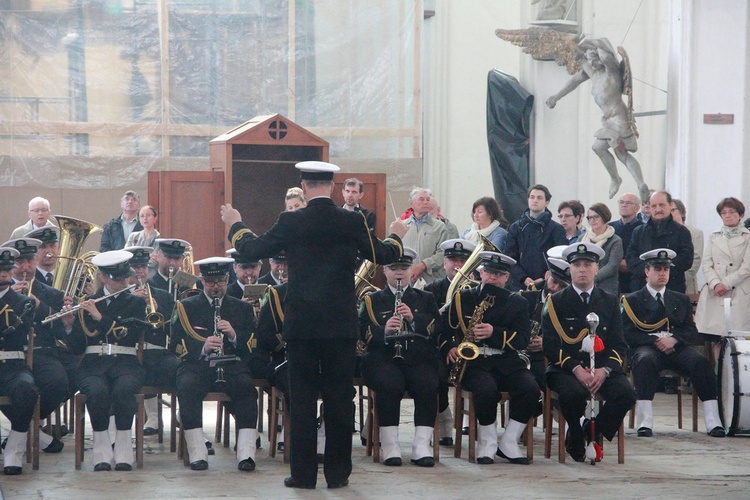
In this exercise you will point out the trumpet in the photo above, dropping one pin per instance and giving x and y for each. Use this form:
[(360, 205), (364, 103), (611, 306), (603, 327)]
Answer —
[(76, 307)]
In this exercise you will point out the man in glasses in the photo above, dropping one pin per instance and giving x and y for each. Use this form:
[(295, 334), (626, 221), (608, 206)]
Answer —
[(39, 216)]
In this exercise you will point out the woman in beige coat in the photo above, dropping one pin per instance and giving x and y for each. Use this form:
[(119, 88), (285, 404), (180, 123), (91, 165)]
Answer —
[(726, 268)]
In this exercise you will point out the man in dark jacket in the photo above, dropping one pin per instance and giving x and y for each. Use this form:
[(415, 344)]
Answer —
[(115, 232), (661, 231), (530, 237), (320, 320)]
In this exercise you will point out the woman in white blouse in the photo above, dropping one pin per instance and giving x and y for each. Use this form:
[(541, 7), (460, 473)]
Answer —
[(147, 216)]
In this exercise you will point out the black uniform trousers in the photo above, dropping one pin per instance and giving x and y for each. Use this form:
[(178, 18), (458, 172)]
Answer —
[(195, 379), (161, 368), (51, 380), (616, 391), (321, 366), (390, 380), (17, 383), (489, 376), (646, 362), (110, 384)]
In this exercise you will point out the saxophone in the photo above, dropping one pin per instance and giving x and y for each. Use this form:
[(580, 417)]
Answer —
[(467, 349)]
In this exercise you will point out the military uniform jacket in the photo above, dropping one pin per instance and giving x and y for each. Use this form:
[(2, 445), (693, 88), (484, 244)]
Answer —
[(564, 326), (508, 316), (439, 288), (193, 321), (16, 314), (321, 243), (377, 308), (271, 324), (267, 279), (50, 302), (111, 329), (642, 315), (235, 290), (158, 281)]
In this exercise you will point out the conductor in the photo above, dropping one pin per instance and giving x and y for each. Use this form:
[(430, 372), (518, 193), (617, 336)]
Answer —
[(322, 242)]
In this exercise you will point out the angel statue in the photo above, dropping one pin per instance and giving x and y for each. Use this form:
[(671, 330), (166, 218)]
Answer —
[(594, 59)]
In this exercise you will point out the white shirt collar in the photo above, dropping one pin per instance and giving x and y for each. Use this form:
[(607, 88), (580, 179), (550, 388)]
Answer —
[(653, 291)]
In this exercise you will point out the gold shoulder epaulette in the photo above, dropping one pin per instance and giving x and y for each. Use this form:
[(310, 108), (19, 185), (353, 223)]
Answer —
[(185, 322), (550, 306)]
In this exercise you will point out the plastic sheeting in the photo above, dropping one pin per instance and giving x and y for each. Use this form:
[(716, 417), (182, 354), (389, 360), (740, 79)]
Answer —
[(95, 93), (508, 135)]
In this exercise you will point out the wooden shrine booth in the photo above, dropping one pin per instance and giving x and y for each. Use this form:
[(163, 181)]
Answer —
[(251, 167)]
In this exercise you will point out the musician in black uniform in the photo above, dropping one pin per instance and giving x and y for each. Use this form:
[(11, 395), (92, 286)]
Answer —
[(246, 273), (660, 331), (109, 374), (564, 327), (556, 278), (455, 253), (278, 273), (170, 253), (159, 362), (499, 324), (53, 362), (206, 325), (392, 367), (16, 380), (320, 320), (47, 252)]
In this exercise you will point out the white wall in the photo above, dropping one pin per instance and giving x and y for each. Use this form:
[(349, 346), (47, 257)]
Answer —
[(460, 49)]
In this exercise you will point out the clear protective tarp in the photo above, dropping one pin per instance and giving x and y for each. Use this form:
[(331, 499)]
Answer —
[(95, 93)]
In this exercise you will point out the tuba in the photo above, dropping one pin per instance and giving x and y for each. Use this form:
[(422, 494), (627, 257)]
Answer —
[(463, 275), (74, 270), (363, 279)]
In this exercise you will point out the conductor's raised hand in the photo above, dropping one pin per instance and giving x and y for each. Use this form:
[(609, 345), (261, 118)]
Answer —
[(230, 215), (399, 228)]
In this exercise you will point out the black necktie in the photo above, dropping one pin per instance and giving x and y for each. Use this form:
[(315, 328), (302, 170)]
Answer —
[(585, 297), (49, 279), (659, 301)]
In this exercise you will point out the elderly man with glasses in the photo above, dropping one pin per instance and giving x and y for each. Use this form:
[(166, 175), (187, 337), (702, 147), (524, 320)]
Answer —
[(39, 217)]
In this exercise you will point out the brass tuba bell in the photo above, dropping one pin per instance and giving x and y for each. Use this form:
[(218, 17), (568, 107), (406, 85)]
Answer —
[(463, 275), (73, 270)]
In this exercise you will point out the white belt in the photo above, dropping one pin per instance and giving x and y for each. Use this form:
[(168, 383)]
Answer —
[(110, 349), (5, 355), (149, 346), (489, 351)]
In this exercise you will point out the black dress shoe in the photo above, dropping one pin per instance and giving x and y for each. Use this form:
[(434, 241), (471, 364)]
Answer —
[(123, 466), (446, 441), (12, 470), (280, 446), (290, 482), (321, 458), (64, 430), (55, 446), (101, 466), (717, 432), (465, 431), (247, 465), (210, 448), (424, 462), (363, 440), (392, 462), (257, 444), (150, 431), (485, 461), (645, 432), (517, 460), (333, 486), (51, 430), (199, 465), (576, 450)]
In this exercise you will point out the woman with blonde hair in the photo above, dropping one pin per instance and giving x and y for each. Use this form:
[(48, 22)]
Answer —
[(295, 199)]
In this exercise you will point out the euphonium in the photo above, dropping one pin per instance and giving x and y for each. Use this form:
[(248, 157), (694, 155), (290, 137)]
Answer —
[(463, 275), (467, 349), (363, 279), (72, 270)]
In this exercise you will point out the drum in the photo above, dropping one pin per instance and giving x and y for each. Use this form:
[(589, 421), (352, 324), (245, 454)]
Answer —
[(734, 385)]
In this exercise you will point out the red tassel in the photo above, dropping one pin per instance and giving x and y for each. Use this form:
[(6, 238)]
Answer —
[(599, 452), (598, 344)]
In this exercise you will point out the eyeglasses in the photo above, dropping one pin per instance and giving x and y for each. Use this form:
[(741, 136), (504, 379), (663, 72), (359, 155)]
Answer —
[(626, 202), (565, 216), (593, 217), (39, 210)]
